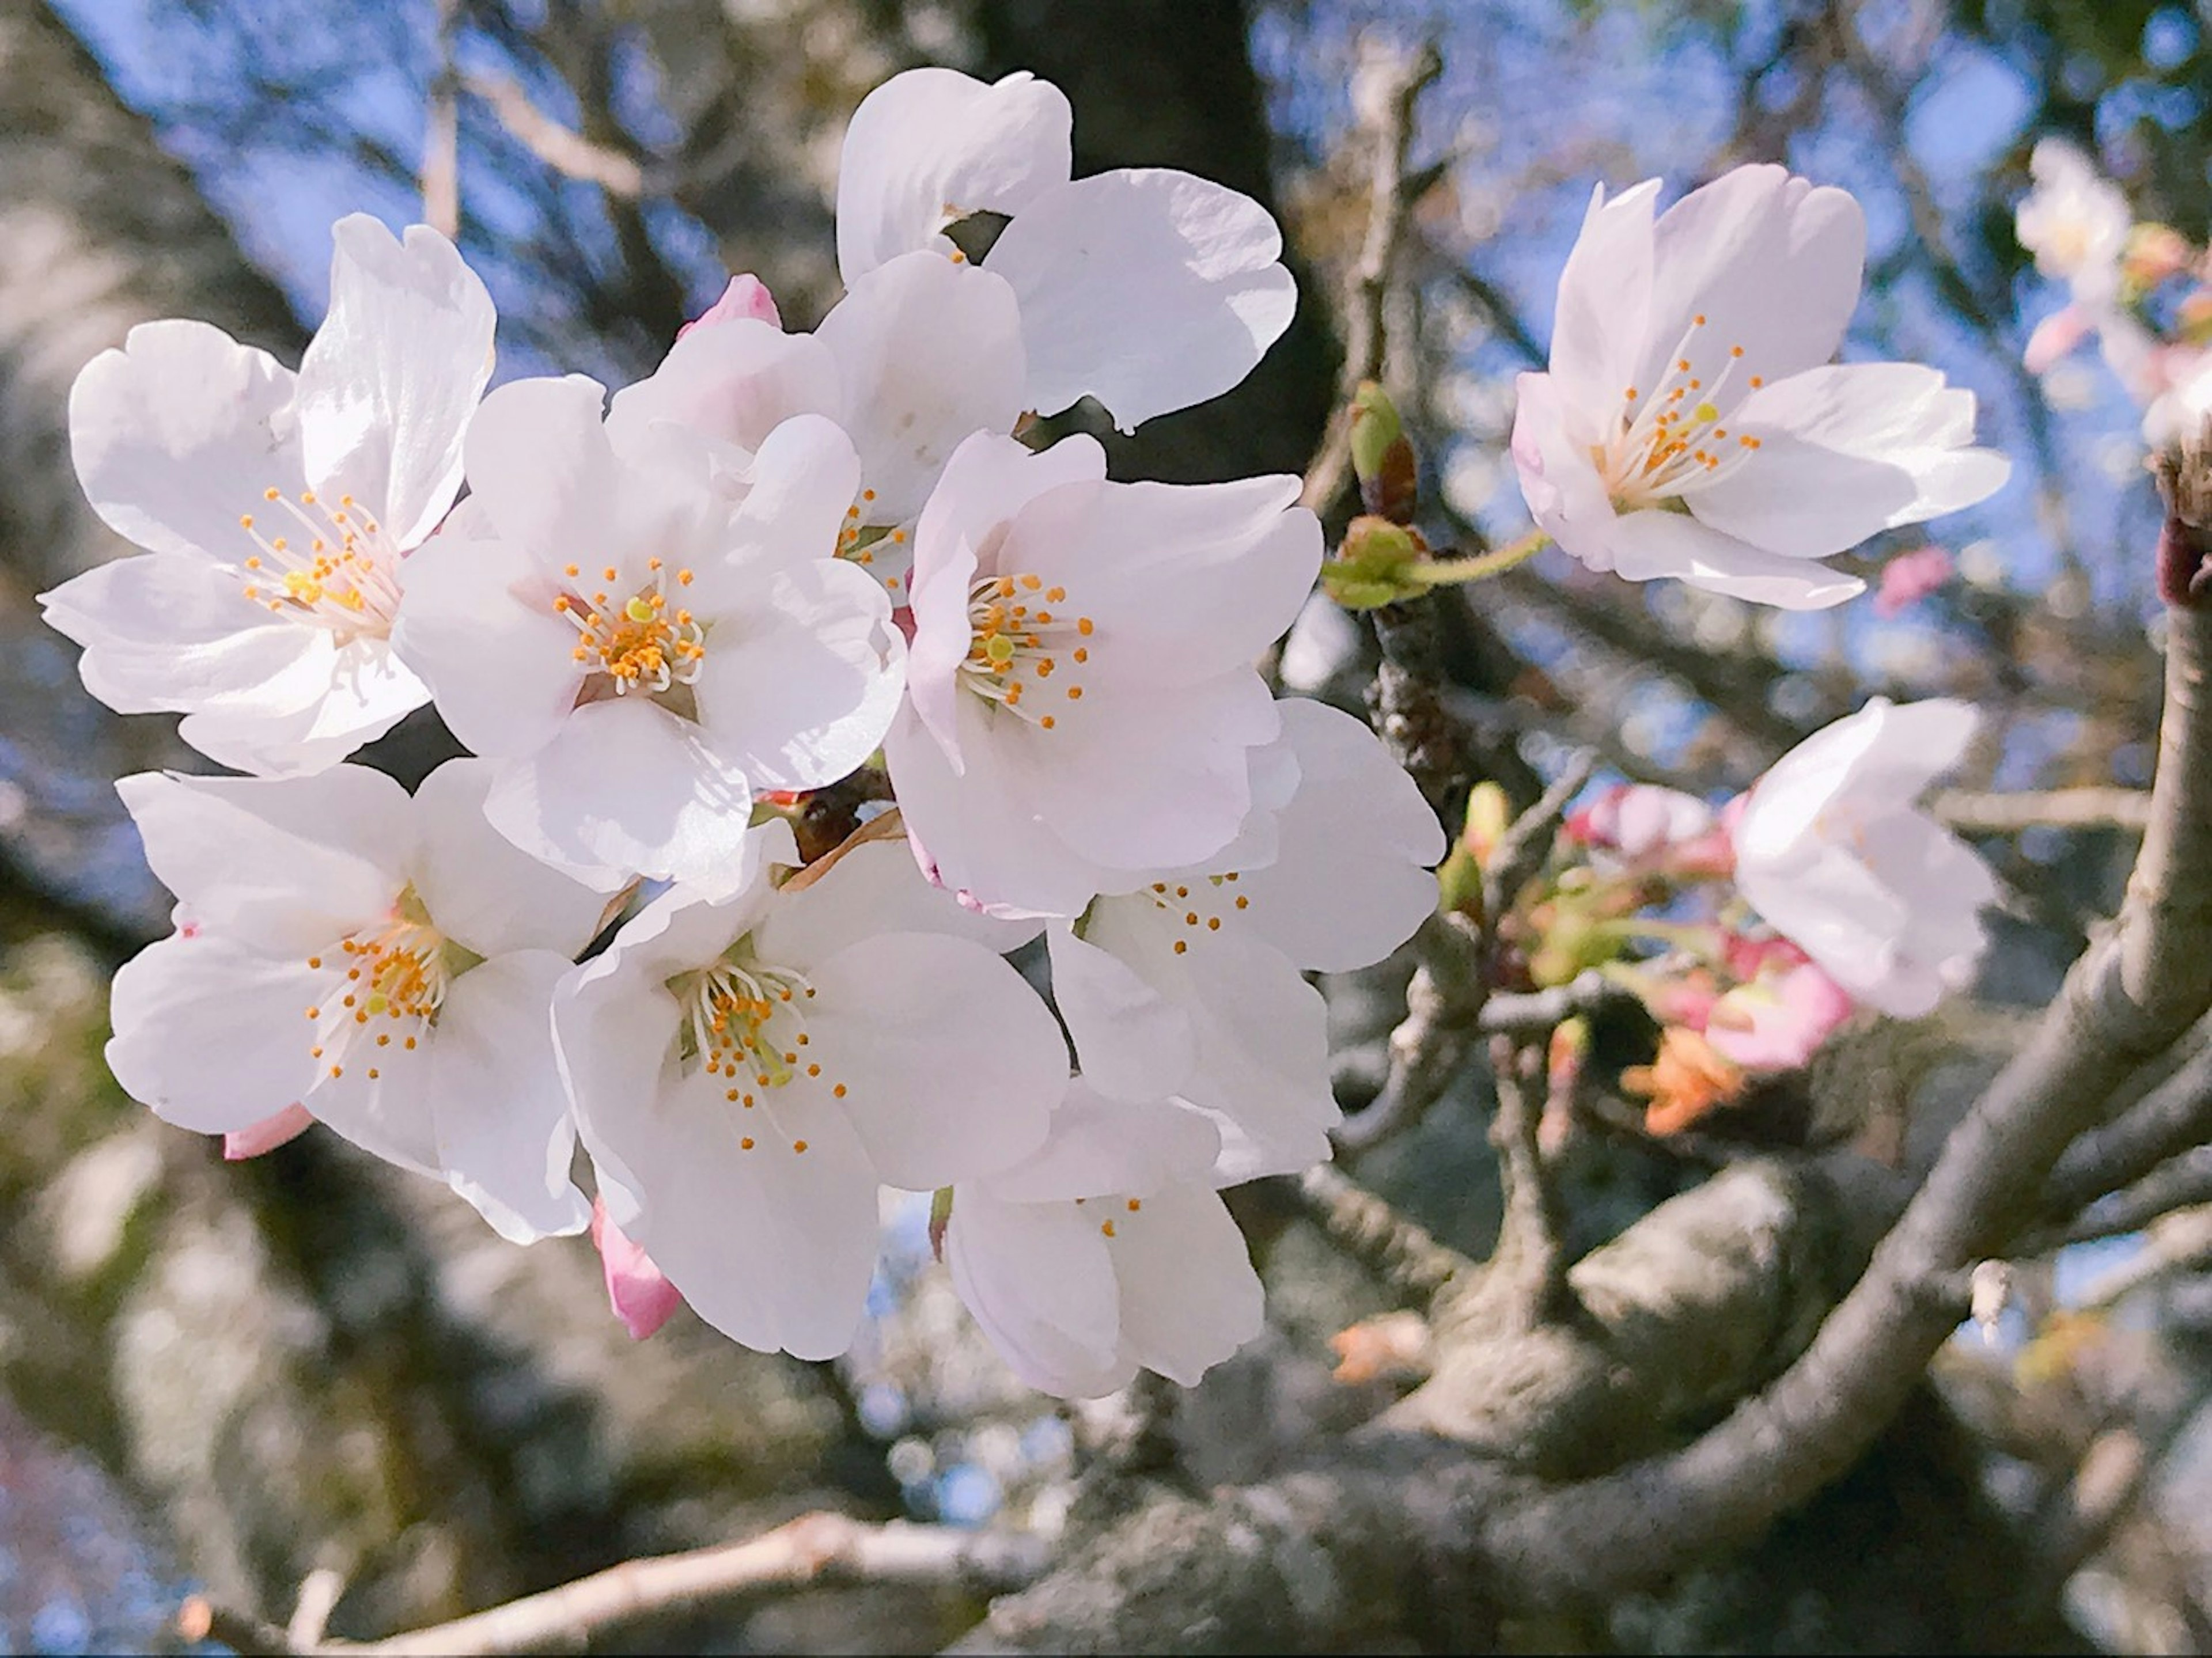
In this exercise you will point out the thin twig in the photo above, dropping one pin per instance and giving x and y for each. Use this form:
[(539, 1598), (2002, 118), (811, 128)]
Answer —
[(1521, 851), (441, 135), (567, 153), (1388, 200), (1401, 1253), (2178, 1184), (1972, 811), (816, 1549), (2175, 1115), (1529, 1250)]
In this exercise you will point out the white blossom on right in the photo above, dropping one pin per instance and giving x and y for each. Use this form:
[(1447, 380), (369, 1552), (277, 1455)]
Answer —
[(1691, 423), (1834, 853)]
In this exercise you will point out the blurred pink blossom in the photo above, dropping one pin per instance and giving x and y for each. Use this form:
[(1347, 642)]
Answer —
[(1911, 577), (1777, 1021)]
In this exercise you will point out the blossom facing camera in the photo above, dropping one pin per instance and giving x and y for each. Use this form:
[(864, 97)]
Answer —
[(1107, 1252), (746, 1074), (1148, 288), (1690, 424), (275, 508), (381, 965), (1835, 855), (1082, 706), (638, 652)]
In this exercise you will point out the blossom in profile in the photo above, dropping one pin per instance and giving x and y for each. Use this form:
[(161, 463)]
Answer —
[(275, 508), (385, 965), (1193, 985), (1107, 1251), (1835, 855), (638, 652), (1690, 424), (1148, 288), (746, 1073), (1082, 705)]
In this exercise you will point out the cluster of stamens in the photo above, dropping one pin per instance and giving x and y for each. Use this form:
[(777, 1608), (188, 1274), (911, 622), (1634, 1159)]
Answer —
[(859, 541), (395, 983), (638, 643), (329, 566), (1674, 437), (1018, 641), (1198, 904), (746, 1025), (1106, 1228)]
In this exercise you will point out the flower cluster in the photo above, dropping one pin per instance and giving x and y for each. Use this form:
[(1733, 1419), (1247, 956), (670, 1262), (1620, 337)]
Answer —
[(658, 621), (2141, 290)]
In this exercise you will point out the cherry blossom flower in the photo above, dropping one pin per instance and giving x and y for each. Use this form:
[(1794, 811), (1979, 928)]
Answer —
[(746, 1073), (1082, 705), (2075, 222), (1107, 1251), (1777, 1020), (1192, 985), (639, 654), (1692, 425), (275, 508), (386, 965), (1148, 288), (1834, 855), (1908, 578), (639, 1291)]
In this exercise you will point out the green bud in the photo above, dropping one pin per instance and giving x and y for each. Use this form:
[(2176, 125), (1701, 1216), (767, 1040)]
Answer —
[(1373, 566), (1459, 882), (1381, 458), (1489, 815)]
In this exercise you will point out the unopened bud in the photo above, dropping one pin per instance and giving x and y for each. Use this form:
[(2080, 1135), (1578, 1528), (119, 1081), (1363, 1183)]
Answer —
[(1374, 564), (940, 1216), (1489, 815), (1382, 459)]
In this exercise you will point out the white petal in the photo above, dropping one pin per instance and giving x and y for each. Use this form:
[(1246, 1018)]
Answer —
[(806, 475), (1099, 1147), (1604, 313), (1350, 881), (1181, 580), (932, 146), (1147, 289), (1132, 1042), (286, 865), (733, 382), (1771, 262), (491, 1088), (1189, 1296), (542, 471), (388, 383), (773, 1246), (365, 691), (477, 621), (180, 433), (988, 480), (873, 889), (482, 889), (626, 789), (1846, 451), (212, 1035), (951, 1063), (614, 1044), (1832, 907), (927, 352), (1037, 1278), (973, 832), (173, 632), (1566, 495), (1647, 545)]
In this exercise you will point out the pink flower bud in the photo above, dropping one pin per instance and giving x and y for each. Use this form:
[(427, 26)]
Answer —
[(642, 1298), (746, 297), (267, 1134), (1911, 577), (2057, 335), (1778, 1021)]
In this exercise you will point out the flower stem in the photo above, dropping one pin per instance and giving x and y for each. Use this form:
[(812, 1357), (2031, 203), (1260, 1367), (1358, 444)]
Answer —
[(1482, 566)]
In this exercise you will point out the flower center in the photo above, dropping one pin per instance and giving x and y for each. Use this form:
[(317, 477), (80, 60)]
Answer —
[(1673, 439), (1197, 905), (879, 549), (1018, 641), (637, 643), (325, 566), (746, 1022), (385, 988)]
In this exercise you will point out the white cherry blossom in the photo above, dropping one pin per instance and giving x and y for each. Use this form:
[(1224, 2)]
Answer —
[(1692, 425), (385, 965), (1107, 1251), (1148, 288), (1834, 854), (746, 1073), (1082, 705), (2075, 222), (1193, 985), (639, 654), (275, 508)]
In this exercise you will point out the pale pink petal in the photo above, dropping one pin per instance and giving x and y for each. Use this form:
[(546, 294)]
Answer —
[(213, 1035), (1603, 318), (1147, 288), (1189, 1296), (745, 299), (1038, 1280), (734, 383), (1908, 578), (265, 1136), (1101, 1145), (639, 1291), (1564, 493), (932, 146), (482, 890), (1133, 1042), (1646, 545)]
